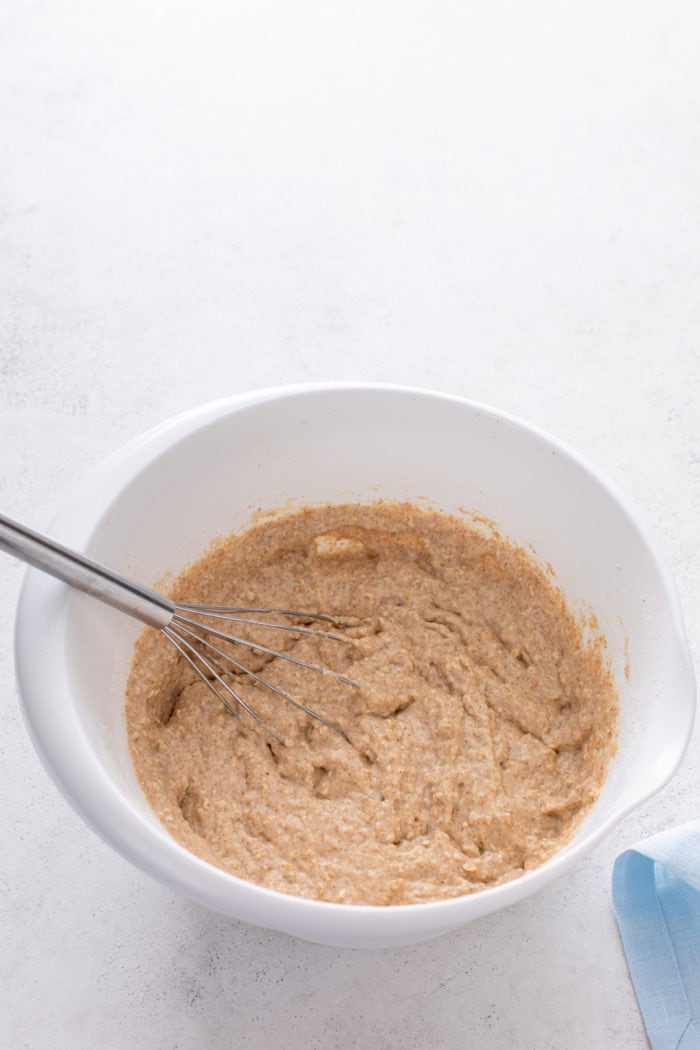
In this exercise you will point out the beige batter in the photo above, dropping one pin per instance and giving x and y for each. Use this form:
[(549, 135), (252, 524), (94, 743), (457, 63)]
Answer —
[(479, 735)]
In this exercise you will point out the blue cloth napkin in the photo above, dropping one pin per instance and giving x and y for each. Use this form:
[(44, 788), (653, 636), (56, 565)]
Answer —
[(656, 897)]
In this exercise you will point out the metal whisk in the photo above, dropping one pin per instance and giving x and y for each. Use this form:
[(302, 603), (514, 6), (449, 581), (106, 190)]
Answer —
[(182, 624)]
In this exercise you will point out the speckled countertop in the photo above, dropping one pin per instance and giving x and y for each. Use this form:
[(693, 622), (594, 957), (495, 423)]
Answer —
[(196, 199)]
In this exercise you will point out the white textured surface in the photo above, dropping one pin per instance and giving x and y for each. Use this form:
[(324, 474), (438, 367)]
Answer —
[(498, 200)]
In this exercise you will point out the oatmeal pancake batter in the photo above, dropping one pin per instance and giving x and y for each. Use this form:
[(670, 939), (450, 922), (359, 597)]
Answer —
[(478, 737)]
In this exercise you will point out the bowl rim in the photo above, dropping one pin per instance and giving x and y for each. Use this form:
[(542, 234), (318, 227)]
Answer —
[(42, 601)]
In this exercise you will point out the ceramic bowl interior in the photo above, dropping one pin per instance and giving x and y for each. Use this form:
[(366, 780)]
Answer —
[(156, 505)]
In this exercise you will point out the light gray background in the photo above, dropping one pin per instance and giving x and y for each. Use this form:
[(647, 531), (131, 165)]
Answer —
[(498, 200)]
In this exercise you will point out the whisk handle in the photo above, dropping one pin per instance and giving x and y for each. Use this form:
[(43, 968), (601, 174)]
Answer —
[(87, 575)]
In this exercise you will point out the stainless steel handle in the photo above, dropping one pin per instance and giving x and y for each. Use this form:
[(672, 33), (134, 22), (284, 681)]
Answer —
[(87, 575)]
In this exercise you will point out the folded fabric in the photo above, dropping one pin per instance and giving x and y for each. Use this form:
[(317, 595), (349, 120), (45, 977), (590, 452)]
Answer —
[(656, 897)]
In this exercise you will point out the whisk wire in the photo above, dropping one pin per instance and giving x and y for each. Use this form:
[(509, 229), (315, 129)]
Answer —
[(297, 628), (185, 648), (225, 610), (203, 629), (252, 674)]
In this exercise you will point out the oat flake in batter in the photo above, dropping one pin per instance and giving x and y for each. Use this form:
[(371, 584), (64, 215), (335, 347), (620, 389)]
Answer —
[(478, 739)]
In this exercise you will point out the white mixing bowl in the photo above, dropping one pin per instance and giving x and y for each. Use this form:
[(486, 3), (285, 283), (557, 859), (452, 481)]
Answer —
[(155, 505)]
